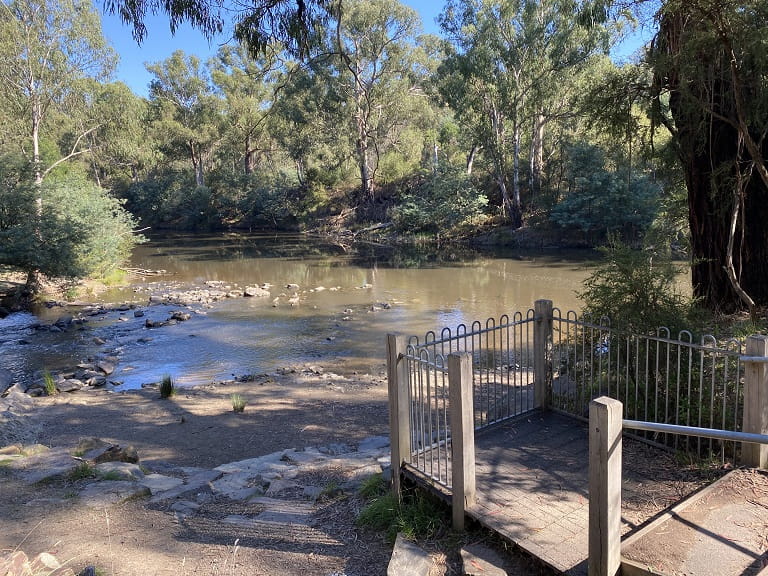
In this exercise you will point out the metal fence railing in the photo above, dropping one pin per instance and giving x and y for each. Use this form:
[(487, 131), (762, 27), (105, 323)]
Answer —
[(547, 358), (502, 373), (657, 378)]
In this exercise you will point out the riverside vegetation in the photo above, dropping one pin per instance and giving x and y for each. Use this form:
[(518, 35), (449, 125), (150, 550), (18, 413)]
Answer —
[(512, 125)]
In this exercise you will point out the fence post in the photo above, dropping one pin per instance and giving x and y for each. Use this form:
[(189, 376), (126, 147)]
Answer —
[(605, 425), (399, 407), (462, 413), (542, 353), (756, 402)]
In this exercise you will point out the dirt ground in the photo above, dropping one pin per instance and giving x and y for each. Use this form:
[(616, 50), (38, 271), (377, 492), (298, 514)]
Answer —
[(197, 427)]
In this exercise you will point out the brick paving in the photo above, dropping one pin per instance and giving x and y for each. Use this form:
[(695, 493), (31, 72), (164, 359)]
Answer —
[(532, 486)]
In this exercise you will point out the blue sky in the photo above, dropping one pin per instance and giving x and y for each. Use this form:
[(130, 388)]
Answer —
[(160, 43)]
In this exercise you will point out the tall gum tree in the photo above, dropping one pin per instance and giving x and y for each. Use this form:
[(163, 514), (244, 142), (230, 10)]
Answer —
[(47, 48), (710, 61), (514, 54), (375, 43), (187, 109), (248, 86)]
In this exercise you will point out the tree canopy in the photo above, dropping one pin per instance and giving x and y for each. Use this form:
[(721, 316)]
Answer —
[(326, 111)]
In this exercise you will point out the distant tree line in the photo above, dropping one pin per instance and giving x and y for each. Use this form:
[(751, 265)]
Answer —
[(513, 118)]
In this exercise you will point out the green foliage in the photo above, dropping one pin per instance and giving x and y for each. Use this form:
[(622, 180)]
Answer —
[(636, 290), (440, 203), (80, 231), (238, 403), (602, 202), (373, 487), (49, 384), (82, 471), (419, 515), (167, 387)]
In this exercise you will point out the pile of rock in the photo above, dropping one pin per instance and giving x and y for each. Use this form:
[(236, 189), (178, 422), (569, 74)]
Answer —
[(89, 374)]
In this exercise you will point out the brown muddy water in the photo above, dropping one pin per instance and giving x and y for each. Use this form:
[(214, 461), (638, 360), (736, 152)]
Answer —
[(349, 299)]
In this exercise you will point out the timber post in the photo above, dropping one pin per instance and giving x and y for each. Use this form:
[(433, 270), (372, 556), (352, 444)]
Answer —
[(605, 445), (542, 353), (399, 407), (756, 402), (462, 435)]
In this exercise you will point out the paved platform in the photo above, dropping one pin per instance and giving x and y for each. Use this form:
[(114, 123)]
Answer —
[(532, 485), (721, 530)]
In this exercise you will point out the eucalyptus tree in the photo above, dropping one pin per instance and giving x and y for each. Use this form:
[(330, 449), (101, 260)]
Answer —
[(54, 221), (508, 65), (186, 111), (310, 123), (121, 146), (47, 49), (710, 61), (380, 70), (248, 85)]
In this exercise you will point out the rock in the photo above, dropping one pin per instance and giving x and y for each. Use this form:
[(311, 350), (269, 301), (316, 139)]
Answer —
[(138, 313), (106, 366), (96, 381), (107, 493), (69, 385), (479, 560), (120, 470), (181, 316), (6, 381), (408, 559), (373, 443), (44, 465), (255, 292), (292, 287), (97, 451), (18, 564), (160, 483), (99, 341)]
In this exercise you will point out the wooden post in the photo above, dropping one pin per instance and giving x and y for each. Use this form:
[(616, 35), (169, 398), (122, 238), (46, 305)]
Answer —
[(399, 407), (756, 402), (605, 425), (462, 412), (542, 353)]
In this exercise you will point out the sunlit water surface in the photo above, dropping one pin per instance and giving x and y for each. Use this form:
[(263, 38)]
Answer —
[(340, 322)]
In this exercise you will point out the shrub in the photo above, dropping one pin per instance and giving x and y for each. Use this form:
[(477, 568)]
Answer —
[(443, 201), (636, 290), (81, 232), (238, 403), (167, 387), (49, 384)]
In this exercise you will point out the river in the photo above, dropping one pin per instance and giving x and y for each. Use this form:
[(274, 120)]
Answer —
[(348, 301)]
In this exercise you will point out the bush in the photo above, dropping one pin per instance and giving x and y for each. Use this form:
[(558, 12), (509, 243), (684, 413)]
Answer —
[(601, 202), (167, 387), (637, 290), (79, 231), (443, 201)]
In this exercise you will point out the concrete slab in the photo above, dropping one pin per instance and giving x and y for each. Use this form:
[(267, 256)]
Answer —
[(721, 530)]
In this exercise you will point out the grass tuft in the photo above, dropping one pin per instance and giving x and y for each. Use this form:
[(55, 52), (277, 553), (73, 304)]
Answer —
[(167, 387), (419, 515), (82, 471), (238, 403), (49, 384)]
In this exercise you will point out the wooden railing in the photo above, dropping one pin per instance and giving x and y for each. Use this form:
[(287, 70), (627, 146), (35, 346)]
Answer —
[(606, 427), (432, 395)]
